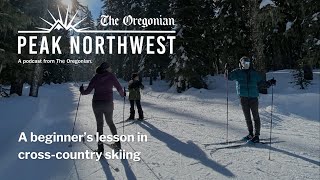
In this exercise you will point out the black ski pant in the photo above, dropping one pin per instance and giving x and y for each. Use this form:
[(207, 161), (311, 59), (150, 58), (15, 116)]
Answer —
[(132, 112), (250, 105), (100, 109)]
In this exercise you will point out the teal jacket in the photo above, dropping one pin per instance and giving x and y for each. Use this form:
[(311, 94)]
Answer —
[(247, 82)]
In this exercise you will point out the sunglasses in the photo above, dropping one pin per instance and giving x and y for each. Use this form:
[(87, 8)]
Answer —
[(245, 60)]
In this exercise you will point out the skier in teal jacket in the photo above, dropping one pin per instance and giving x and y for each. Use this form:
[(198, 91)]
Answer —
[(247, 82)]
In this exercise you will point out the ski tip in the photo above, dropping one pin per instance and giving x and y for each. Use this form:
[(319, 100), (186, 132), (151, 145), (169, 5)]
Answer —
[(212, 152), (250, 142), (254, 143)]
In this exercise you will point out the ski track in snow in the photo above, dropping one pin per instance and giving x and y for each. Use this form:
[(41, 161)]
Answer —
[(178, 127)]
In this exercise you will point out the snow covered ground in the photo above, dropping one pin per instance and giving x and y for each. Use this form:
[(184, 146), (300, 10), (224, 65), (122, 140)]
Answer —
[(183, 131)]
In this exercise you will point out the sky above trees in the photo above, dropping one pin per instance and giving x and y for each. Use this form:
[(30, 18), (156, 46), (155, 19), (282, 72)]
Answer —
[(93, 5)]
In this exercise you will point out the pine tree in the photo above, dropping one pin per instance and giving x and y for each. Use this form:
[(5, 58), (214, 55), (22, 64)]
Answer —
[(155, 64), (189, 62), (310, 28), (57, 73), (232, 32), (82, 72), (116, 9), (38, 68), (299, 77), (11, 20)]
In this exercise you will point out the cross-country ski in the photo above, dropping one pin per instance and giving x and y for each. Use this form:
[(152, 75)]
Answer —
[(102, 157), (159, 90)]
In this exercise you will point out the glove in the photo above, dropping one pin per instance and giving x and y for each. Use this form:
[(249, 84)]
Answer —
[(81, 89), (272, 82)]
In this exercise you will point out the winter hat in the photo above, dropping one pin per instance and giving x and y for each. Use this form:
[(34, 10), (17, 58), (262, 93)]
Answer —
[(245, 62), (134, 75), (105, 65), (102, 68), (98, 70)]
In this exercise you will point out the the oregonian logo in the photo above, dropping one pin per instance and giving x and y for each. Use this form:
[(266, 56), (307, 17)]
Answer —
[(149, 41), (107, 20)]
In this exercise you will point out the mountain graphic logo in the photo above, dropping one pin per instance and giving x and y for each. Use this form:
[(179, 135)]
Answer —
[(68, 25), (60, 23)]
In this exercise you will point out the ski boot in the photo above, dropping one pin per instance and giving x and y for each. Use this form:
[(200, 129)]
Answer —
[(131, 117), (141, 117), (247, 138), (116, 146), (255, 139), (100, 148)]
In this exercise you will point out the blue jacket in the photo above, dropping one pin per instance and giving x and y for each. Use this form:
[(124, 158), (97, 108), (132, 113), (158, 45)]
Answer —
[(247, 82)]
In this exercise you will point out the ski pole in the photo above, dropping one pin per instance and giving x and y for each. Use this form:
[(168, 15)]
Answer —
[(75, 118), (271, 119), (124, 101), (227, 74)]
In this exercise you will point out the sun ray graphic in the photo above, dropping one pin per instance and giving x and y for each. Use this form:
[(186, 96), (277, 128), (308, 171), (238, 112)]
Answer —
[(83, 29), (60, 15), (78, 22), (46, 21), (43, 28), (70, 23), (63, 22), (52, 16), (67, 15)]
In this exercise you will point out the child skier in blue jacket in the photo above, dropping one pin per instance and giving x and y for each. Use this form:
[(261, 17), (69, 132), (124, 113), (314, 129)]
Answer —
[(247, 82)]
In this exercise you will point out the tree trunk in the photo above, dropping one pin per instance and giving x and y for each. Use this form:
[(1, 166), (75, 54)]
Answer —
[(36, 79), (16, 87), (2, 52), (150, 82), (38, 68), (257, 39), (17, 84), (1, 67)]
